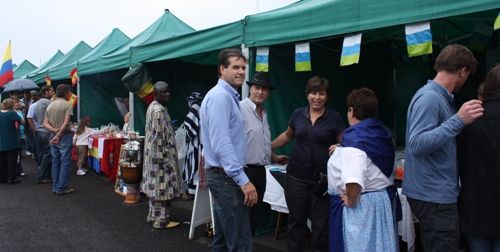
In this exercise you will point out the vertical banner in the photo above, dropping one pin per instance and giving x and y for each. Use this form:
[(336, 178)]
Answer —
[(73, 100), (48, 80), (496, 26), (351, 49), (302, 57), (418, 39), (262, 59)]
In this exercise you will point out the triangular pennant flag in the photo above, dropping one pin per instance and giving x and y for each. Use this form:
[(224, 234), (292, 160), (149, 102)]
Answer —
[(302, 57), (497, 22), (480, 37), (262, 59), (48, 80), (74, 76), (418, 39), (351, 50), (6, 70)]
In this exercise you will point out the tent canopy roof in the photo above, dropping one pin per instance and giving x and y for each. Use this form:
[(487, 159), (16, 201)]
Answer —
[(24, 68), (45, 66), (61, 68), (110, 43), (312, 19)]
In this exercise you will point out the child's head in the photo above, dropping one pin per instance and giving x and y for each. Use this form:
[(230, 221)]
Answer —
[(84, 122)]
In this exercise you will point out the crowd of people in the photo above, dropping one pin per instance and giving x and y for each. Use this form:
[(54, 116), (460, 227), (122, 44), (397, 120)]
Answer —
[(339, 178)]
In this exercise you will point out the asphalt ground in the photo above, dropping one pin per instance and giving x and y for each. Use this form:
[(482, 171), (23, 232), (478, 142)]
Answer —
[(93, 218)]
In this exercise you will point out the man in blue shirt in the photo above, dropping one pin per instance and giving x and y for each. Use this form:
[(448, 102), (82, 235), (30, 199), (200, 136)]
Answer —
[(224, 142), (431, 174)]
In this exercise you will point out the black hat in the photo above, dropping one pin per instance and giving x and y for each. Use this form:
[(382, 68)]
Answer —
[(260, 79)]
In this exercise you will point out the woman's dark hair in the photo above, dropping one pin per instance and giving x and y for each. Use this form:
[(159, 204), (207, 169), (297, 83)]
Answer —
[(492, 83), (363, 102), (317, 84), (81, 125)]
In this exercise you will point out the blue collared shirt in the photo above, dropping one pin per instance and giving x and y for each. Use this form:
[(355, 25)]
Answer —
[(222, 131), (431, 172)]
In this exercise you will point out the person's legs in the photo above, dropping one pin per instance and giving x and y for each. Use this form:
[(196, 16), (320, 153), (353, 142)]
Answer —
[(11, 165), (19, 165), (3, 166), (298, 199), (65, 144), (438, 225), (478, 244), (45, 157), (257, 174), (232, 224), (81, 153), (319, 222), (56, 166)]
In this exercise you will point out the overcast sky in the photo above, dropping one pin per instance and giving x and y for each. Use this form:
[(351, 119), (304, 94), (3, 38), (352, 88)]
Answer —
[(38, 28)]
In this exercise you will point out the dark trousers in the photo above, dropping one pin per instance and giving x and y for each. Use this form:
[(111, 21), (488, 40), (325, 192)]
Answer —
[(45, 157), (257, 175), (303, 204), (438, 225), (8, 161)]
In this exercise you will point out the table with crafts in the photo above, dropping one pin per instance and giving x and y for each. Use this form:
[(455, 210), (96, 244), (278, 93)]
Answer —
[(105, 153)]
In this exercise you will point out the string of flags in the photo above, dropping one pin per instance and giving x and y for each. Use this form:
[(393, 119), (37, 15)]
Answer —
[(418, 42)]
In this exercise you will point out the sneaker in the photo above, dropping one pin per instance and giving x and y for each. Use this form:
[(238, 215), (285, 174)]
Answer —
[(172, 224), (22, 174), (65, 191), (28, 153), (80, 172)]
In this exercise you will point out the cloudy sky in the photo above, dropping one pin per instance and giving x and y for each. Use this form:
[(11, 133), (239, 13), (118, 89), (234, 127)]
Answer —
[(38, 28)]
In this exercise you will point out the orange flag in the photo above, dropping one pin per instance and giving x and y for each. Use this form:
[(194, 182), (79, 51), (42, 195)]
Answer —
[(74, 76)]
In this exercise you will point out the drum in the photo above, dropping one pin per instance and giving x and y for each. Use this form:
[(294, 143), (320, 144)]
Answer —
[(131, 172)]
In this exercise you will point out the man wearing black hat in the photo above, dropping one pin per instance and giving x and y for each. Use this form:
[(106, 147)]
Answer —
[(259, 152)]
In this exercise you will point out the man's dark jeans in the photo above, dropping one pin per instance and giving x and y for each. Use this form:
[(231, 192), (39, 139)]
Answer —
[(231, 216), (44, 159), (438, 224)]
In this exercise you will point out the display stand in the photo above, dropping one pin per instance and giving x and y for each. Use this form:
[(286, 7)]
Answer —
[(202, 210)]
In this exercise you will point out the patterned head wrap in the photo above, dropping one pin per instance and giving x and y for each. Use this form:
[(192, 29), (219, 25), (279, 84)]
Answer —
[(194, 98)]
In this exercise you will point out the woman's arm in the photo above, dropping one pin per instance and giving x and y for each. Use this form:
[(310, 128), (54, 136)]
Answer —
[(353, 191), (283, 138)]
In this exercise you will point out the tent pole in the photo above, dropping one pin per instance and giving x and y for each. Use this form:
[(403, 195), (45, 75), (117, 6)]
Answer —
[(131, 110), (245, 89), (78, 111)]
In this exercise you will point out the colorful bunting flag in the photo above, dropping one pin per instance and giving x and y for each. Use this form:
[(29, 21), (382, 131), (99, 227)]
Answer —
[(73, 100), (302, 57), (480, 37), (262, 59), (418, 39), (6, 71), (496, 26), (74, 76), (48, 80), (351, 50)]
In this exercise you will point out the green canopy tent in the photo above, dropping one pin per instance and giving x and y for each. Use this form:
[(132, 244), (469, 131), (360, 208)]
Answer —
[(187, 62), (384, 65), (111, 66), (45, 66), (96, 89), (24, 68), (74, 54)]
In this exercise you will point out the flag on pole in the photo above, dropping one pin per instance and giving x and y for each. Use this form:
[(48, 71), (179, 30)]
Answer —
[(6, 71), (74, 76), (48, 80), (262, 59), (73, 100), (138, 81), (351, 50), (418, 39), (302, 57), (497, 22)]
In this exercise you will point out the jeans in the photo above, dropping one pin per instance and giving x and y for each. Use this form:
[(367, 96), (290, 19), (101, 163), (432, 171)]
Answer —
[(438, 224), (303, 204), (43, 155), (231, 216), (61, 162), (482, 244)]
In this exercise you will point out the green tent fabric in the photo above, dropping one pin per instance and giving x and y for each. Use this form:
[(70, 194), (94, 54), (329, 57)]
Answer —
[(215, 38), (45, 66), (74, 54), (166, 26), (312, 19), (62, 68), (24, 68), (113, 41)]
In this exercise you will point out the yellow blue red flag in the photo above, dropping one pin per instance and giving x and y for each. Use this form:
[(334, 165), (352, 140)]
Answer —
[(6, 71)]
